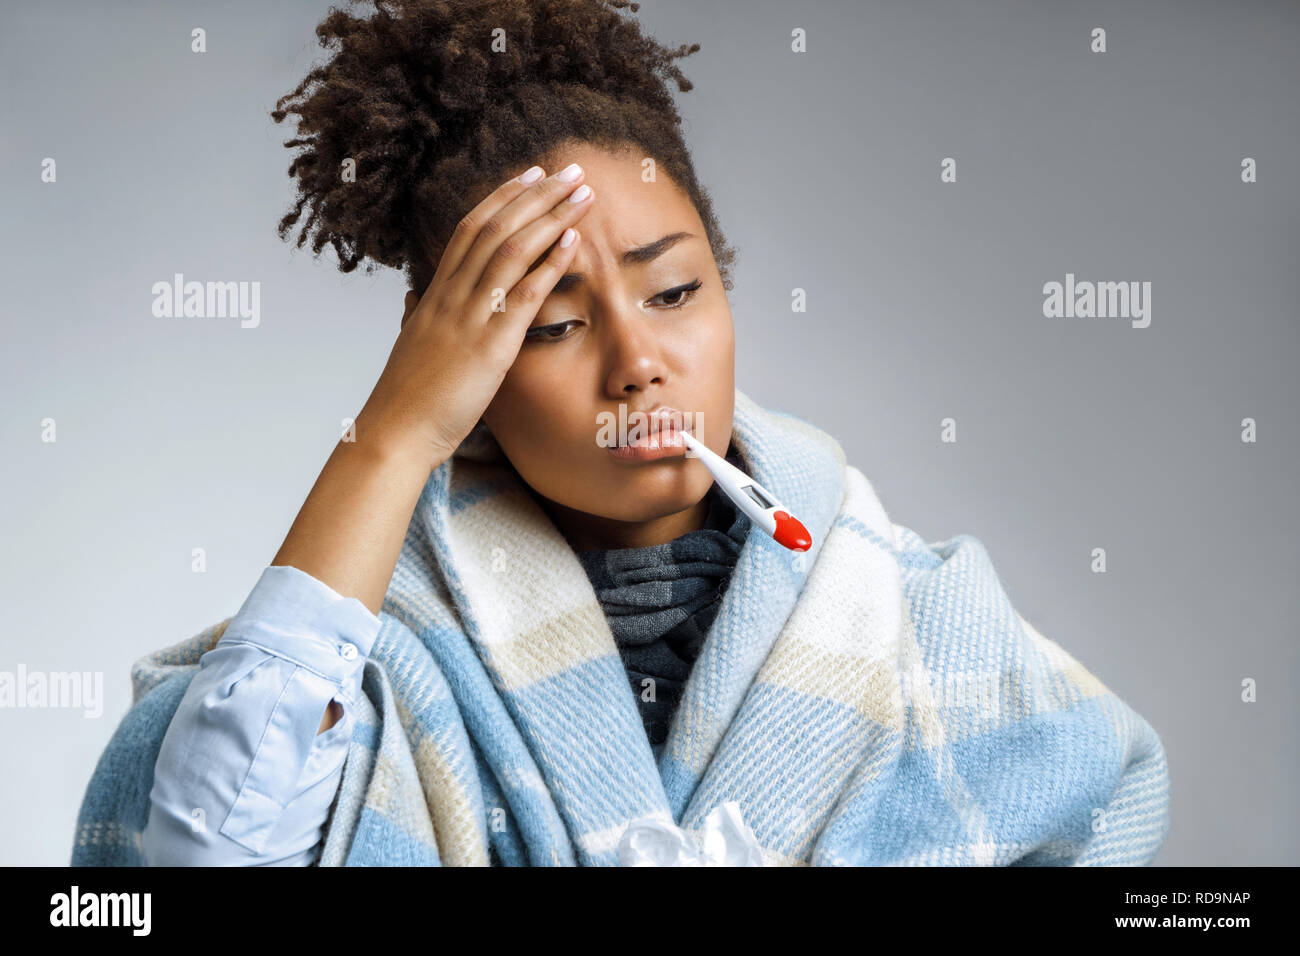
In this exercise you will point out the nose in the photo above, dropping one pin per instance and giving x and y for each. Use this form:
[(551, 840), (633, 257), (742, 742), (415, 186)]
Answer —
[(634, 353)]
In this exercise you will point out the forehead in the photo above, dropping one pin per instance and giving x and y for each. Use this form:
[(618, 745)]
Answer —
[(636, 201)]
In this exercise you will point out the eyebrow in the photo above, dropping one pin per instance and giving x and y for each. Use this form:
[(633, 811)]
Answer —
[(635, 256)]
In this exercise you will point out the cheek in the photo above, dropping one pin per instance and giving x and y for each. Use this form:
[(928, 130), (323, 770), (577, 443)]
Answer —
[(726, 336), (713, 347), (528, 408)]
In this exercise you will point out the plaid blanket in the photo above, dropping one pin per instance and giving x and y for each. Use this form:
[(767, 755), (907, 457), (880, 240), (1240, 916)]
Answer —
[(876, 700)]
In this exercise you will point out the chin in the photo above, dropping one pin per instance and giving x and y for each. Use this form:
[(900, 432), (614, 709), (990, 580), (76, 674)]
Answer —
[(658, 492)]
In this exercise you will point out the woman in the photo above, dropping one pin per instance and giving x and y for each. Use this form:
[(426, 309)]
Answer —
[(435, 667)]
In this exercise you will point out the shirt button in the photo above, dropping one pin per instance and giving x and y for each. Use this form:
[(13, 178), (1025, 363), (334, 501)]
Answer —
[(348, 651)]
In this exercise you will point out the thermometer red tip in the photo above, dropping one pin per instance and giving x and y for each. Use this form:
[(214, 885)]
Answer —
[(790, 532)]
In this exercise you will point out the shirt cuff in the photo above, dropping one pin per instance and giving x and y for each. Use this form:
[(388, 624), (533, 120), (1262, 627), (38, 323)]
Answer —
[(295, 616)]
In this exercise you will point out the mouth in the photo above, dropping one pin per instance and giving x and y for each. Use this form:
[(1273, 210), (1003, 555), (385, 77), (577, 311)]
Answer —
[(658, 436)]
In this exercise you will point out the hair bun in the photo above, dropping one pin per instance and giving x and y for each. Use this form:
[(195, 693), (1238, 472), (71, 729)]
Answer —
[(424, 102)]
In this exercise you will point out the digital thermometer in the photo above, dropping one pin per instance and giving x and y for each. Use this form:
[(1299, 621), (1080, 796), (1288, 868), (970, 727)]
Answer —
[(759, 504)]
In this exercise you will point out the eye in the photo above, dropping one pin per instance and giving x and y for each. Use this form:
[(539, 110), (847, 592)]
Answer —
[(683, 292), (548, 333), (559, 330)]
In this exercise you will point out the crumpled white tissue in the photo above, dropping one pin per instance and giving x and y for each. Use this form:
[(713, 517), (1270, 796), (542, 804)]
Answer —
[(724, 840)]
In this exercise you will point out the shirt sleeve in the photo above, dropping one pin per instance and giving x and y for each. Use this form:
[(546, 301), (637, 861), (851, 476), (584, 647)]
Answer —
[(242, 777)]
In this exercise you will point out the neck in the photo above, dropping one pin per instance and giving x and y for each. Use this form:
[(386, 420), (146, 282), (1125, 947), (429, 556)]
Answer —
[(588, 532)]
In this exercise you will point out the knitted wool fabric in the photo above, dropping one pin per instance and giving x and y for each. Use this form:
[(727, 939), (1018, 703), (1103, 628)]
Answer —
[(660, 601), (878, 700)]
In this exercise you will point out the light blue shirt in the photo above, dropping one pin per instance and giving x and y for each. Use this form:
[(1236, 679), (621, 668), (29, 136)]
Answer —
[(242, 777)]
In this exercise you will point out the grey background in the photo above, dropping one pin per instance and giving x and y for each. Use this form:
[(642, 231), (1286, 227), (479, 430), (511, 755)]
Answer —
[(924, 302)]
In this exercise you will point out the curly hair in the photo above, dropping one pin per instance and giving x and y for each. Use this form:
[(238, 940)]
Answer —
[(432, 116)]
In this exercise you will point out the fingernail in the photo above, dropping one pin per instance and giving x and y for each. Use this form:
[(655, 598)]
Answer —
[(569, 173), (531, 176), (567, 238), (581, 193)]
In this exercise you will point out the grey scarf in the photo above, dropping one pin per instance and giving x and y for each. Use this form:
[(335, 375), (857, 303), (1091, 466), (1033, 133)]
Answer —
[(661, 600)]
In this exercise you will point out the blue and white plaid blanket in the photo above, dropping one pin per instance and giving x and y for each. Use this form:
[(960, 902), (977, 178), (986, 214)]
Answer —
[(876, 700)]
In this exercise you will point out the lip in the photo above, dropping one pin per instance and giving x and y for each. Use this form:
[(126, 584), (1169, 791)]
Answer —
[(664, 441)]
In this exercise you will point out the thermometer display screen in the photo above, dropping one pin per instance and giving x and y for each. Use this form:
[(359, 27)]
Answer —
[(758, 496)]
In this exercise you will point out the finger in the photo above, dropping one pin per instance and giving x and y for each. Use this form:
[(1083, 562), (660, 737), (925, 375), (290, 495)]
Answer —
[(512, 260), (467, 229), (501, 227), (528, 294)]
